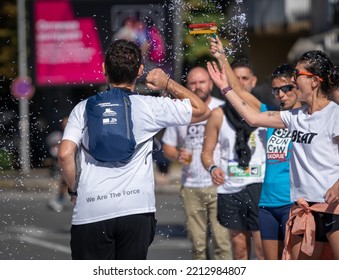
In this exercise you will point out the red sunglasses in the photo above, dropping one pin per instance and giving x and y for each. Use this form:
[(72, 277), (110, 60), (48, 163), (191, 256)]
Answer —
[(296, 73)]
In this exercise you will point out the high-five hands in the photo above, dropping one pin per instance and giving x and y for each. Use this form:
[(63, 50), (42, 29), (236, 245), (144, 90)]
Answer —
[(218, 76)]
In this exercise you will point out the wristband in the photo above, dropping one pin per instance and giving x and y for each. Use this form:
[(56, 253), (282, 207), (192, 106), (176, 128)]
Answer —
[(72, 193), (225, 90), (211, 168)]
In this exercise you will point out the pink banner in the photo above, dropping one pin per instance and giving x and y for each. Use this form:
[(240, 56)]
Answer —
[(68, 49)]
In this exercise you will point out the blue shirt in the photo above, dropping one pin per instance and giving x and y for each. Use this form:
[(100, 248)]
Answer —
[(276, 186)]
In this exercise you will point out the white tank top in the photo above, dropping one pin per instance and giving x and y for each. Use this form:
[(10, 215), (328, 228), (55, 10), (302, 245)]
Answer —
[(237, 177)]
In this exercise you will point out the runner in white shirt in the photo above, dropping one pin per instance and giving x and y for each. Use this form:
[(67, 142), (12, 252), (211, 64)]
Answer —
[(315, 154), (198, 193), (241, 169), (113, 217)]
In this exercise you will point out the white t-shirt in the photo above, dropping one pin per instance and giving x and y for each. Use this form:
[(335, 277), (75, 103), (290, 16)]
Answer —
[(236, 177), (194, 175), (314, 166), (106, 190)]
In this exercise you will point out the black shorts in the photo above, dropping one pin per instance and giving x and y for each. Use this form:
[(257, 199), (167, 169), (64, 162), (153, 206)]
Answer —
[(239, 211), (324, 223), (122, 238)]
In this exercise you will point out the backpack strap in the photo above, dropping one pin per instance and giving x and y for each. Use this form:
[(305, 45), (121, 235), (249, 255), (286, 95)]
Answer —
[(157, 148), (156, 141)]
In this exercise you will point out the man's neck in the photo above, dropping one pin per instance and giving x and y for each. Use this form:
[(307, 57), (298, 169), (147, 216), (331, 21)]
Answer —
[(130, 87)]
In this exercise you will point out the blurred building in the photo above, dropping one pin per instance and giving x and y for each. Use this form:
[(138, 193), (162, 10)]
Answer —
[(281, 30)]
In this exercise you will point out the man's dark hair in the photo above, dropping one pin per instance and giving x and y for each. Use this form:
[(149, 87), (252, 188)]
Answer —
[(122, 61), (284, 70), (242, 62)]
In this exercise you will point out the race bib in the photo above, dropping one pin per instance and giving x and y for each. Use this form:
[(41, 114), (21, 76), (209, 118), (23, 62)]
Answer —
[(234, 170)]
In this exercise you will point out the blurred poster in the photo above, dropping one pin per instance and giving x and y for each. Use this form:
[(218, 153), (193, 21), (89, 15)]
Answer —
[(71, 38), (67, 48), (144, 25), (141, 24)]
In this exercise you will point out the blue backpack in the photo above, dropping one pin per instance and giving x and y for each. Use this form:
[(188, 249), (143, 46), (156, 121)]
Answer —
[(110, 126)]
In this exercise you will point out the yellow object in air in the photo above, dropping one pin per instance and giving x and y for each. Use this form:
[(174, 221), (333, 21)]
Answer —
[(202, 31)]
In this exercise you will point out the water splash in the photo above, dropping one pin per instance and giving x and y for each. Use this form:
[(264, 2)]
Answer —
[(236, 29)]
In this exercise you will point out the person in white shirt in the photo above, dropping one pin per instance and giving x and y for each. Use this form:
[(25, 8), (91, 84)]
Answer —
[(114, 212), (240, 171), (198, 194), (314, 163)]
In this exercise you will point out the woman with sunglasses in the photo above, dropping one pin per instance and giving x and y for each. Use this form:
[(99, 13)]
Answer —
[(314, 163), (275, 202)]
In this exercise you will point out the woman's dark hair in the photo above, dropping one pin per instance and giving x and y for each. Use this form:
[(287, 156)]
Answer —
[(122, 61), (284, 70), (319, 64)]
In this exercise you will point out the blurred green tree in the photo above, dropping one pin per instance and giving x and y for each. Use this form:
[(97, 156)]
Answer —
[(196, 47)]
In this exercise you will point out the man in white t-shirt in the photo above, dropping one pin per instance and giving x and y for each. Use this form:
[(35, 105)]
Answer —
[(113, 216), (240, 171), (198, 193)]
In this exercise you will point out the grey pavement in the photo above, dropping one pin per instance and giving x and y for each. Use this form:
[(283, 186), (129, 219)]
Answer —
[(41, 179), (32, 192)]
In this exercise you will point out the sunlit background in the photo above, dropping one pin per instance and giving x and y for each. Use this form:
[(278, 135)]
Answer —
[(60, 49)]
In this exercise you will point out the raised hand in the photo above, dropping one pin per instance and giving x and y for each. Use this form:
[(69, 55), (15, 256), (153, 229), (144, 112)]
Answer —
[(216, 48), (218, 77), (156, 79)]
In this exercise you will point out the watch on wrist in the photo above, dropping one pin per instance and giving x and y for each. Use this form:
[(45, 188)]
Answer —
[(72, 193), (211, 168)]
